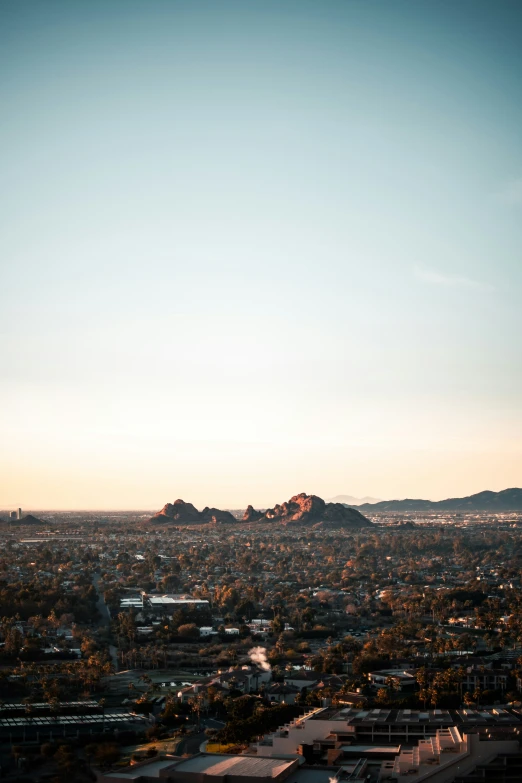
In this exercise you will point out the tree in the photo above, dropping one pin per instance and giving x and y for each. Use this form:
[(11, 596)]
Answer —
[(468, 699), (54, 705), (107, 754), (382, 696), (17, 751), (393, 684), (90, 751), (47, 750), (197, 703), (190, 630), (66, 760)]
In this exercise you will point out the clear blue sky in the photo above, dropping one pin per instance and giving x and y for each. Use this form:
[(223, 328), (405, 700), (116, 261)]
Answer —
[(261, 247)]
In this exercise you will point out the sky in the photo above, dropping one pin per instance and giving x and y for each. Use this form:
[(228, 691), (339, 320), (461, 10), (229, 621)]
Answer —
[(251, 249)]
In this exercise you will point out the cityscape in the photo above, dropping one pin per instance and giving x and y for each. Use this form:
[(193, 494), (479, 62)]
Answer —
[(330, 644), (261, 391)]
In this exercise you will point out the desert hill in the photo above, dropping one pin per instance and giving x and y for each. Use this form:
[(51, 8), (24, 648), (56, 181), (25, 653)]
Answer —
[(305, 510), (181, 513), (309, 510), (497, 502), (350, 500)]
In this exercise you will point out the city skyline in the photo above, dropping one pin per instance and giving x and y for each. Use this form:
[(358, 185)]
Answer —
[(251, 250)]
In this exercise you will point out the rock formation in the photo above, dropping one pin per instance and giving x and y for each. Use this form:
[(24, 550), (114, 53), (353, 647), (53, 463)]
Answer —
[(307, 510), (301, 510), (251, 515), (181, 513)]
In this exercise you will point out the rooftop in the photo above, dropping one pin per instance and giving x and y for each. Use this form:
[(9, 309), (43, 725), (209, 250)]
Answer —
[(168, 600), (151, 770), (351, 715), (248, 766)]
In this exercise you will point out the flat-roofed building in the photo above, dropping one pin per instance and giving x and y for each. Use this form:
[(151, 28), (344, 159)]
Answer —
[(131, 603), (205, 768), (402, 678), (71, 719), (168, 604), (442, 757), (331, 725), (485, 679)]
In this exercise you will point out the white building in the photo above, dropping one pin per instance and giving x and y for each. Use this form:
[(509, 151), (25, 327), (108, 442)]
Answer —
[(381, 726), (167, 604), (207, 630), (441, 758), (403, 678)]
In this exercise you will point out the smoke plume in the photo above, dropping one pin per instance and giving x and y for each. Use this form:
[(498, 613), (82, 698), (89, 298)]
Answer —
[(258, 655)]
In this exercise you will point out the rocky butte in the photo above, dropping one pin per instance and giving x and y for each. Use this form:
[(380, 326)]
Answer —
[(300, 510), (181, 513)]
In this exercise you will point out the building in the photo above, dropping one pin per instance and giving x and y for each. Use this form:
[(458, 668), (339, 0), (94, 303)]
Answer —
[(205, 768), (133, 602), (485, 679), (281, 693), (303, 679), (81, 717), (200, 690), (168, 604), (325, 727), (444, 756), (246, 679), (402, 678), (207, 630)]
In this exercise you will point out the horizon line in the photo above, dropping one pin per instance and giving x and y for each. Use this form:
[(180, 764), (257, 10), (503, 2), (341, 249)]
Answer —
[(14, 507)]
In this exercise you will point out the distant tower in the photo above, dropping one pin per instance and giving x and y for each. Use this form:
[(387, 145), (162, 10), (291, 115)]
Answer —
[(12, 515), (19, 514)]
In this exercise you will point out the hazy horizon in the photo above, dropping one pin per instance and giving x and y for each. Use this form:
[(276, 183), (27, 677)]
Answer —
[(251, 249), (229, 507)]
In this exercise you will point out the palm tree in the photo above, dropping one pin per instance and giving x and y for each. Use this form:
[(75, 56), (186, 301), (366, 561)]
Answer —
[(468, 699), (90, 752), (197, 703), (54, 705), (393, 683), (17, 751), (102, 703)]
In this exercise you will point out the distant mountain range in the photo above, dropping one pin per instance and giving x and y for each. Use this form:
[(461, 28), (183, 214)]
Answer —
[(504, 501), (349, 500), (301, 510)]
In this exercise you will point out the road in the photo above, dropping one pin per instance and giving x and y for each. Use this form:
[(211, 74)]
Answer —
[(191, 744), (105, 617), (101, 606), (213, 723)]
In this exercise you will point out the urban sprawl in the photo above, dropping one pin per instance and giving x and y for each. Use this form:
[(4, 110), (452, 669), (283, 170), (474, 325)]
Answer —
[(245, 652)]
